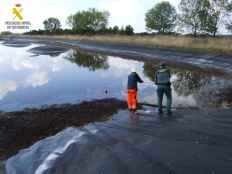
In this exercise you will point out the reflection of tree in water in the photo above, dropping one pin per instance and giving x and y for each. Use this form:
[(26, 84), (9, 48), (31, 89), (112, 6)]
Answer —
[(189, 82), (216, 93), (93, 62), (207, 91), (149, 70), (185, 82)]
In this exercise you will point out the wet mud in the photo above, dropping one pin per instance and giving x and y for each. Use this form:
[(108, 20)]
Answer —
[(15, 43), (21, 129), (51, 50)]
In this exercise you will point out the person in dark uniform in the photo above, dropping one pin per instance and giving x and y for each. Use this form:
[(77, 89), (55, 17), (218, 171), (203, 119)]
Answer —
[(162, 80), (132, 88)]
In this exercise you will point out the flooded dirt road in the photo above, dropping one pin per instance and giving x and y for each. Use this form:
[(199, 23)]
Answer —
[(48, 76), (35, 75)]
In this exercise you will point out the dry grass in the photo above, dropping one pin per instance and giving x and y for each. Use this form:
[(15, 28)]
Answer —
[(218, 45)]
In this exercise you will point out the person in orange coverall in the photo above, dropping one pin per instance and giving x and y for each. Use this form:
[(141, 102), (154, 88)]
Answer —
[(132, 88)]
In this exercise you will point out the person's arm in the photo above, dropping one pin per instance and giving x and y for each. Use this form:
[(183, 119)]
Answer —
[(169, 72), (139, 79), (156, 78)]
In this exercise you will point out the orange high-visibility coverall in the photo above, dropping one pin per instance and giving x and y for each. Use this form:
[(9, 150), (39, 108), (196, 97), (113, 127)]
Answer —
[(132, 99)]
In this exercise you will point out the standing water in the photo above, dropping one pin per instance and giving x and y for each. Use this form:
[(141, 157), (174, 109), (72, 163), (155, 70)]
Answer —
[(30, 77)]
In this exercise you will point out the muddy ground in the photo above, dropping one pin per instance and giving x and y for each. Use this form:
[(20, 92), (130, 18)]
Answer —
[(21, 129)]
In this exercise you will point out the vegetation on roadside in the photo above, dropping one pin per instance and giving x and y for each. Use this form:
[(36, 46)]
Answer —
[(188, 43), (5, 33)]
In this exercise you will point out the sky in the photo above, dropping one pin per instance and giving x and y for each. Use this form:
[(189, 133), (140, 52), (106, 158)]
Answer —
[(122, 12)]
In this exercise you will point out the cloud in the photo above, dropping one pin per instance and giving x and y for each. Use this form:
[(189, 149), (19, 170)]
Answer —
[(6, 87), (37, 79), (23, 71)]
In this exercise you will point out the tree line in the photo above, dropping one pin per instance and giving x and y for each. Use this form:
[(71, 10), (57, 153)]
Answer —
[(195, 16)]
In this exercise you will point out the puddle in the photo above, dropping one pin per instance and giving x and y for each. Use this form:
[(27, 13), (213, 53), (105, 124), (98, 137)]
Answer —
[(14, 43), (1, 167), (29, 80)]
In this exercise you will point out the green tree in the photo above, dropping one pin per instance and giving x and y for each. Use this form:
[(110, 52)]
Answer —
[(228, 9), (122, 30), (189, 15), (129, 30), (202, 15), (52, 24), (110, 30), (210, 12), (88, 21), (115, 29), (161, 17)]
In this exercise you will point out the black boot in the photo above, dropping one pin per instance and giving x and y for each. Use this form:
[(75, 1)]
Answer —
[(160, 112)]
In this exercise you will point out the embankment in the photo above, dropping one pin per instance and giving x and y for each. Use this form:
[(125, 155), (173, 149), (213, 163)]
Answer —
[(21, 129)]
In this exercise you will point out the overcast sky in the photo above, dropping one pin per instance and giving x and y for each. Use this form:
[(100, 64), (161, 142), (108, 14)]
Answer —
[(123, 12)]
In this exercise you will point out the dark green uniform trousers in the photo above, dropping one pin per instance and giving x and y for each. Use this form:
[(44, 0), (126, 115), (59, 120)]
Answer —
[(161, 90)]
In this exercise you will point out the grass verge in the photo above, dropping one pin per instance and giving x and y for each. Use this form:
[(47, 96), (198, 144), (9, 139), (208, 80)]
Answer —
[(221, 45)]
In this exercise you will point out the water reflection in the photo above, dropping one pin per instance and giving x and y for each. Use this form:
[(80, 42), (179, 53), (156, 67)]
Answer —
[(91, 61), (205, 89), (16, 43), (20, 75), (188, 82), (218, 92), (184, 82), (74, 76), (134, 118), (2, 168), (149, 70)]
